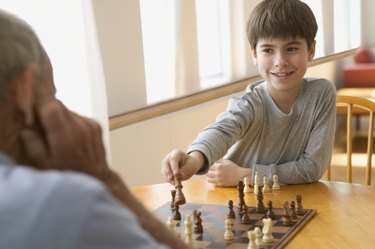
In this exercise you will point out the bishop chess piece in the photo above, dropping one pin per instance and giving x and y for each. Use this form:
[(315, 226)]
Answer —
[(252, 237), (179, 198), (266, 188), (256, 183), (246, 182), (287, 220), (260, 206), (275, 185), (198, 228)]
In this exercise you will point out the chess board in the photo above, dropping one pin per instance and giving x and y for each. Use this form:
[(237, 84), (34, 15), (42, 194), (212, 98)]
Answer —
[(213, 221)]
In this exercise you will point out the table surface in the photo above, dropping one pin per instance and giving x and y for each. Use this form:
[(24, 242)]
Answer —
[(345, 218)]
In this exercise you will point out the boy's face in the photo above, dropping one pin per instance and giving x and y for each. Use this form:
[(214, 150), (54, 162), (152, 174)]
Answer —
[(283, 62)]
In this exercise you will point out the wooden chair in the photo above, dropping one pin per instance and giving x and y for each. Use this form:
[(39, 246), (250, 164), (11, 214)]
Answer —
[(352, 105)]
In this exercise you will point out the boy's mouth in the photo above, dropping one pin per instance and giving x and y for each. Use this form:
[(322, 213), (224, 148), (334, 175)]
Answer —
[(282, 74)]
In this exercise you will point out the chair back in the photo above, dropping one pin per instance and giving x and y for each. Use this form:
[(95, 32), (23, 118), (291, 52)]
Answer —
[(353, 105)]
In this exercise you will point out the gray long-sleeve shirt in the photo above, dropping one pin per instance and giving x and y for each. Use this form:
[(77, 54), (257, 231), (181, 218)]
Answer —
[(254, 133)]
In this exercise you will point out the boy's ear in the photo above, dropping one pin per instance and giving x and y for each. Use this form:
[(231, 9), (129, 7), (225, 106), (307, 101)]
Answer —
[(312, 51), (23, 94), (254, 56)]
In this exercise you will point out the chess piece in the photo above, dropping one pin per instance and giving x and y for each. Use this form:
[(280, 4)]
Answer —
[(171, 224), (256, 183), (275, 185), (198, 228), (246, 185), (260, 206), (173, 194), (287, 220), (240, 188), (177, 214), (251, 236), (245, 217), (270, 213), (258, 237), (231, 214), (188, 231), (266, 188), (293, 213), (179, 198), (267, 230), (300, 210), (228, 234)]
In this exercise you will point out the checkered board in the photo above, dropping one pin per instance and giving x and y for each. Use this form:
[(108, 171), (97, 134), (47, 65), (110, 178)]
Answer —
[(213, 221)]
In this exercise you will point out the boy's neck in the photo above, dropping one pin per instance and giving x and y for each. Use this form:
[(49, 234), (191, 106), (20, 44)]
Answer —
[(284, 99)]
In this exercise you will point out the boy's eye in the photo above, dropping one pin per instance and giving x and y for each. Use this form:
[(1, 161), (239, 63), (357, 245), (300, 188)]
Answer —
[(267, 50), (292, 49)]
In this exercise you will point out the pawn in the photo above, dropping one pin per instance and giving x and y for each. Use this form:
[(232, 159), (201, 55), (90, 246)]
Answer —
[(275, 185), (266, 188), (245, 217), (258, 235), (251, 235), (188, 231), (177, 214), (246, 182), (231, 214), (270, 213), (228, 235), (171, 224), (293, 212)]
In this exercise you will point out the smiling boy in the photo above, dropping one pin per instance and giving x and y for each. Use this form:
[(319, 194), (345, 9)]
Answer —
[(284, 124)]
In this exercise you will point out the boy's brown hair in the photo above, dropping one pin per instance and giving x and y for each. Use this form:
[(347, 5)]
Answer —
[(281, 19)]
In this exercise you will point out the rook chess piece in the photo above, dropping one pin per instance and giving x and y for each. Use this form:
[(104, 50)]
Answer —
[(275, 185), (180, 198)]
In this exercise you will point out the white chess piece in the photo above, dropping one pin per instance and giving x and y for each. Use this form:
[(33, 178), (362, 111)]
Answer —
[(275, 185), (228, 235), (256, 183), (188, 231), (266, 188), (267, 230), (170, 223), (258, 235), (252, 244), (246, 181)]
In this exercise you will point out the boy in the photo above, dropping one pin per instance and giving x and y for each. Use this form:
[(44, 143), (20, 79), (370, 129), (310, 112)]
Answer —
[(284, 124)]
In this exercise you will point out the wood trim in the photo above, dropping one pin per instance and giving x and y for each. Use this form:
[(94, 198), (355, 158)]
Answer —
[(176, 104)]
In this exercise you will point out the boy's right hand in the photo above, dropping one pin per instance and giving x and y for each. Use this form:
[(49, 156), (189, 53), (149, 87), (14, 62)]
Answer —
[(178, 163)]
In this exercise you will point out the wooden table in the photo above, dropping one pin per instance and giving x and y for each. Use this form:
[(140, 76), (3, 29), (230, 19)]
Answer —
[(345, 219)]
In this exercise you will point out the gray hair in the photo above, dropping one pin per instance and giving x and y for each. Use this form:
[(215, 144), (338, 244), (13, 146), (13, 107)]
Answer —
[(19, 48)]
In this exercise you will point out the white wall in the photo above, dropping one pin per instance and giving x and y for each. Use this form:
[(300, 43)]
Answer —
[(368, 7)]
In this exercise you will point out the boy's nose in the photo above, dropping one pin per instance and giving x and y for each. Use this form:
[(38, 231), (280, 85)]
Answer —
[(281, 60)]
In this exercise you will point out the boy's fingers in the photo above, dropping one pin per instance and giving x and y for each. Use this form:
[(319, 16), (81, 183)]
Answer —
[(35, 148)]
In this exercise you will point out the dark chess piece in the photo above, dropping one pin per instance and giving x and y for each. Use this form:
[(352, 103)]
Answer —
[(241, 201), (270, 213), (260, 206), (287, 220), (176, 214), (231, 214), (173, 193), (180, 198), (300, 210), (245, 217), (293, 212), (198, 228)]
